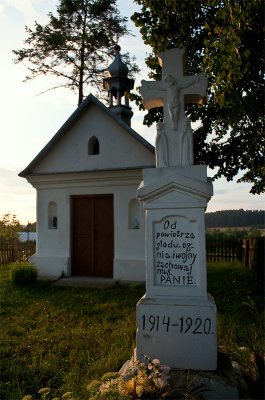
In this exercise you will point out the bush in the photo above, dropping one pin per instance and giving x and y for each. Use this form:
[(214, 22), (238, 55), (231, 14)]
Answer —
[(23, 274)]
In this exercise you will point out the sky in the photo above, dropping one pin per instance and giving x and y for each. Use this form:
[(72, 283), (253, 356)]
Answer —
[(30, 119)]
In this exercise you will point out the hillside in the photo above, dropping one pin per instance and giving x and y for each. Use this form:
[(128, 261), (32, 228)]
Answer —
[(235, 218)]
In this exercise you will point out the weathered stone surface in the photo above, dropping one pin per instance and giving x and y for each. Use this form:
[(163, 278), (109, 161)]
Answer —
[(176, 319), (181, 335)]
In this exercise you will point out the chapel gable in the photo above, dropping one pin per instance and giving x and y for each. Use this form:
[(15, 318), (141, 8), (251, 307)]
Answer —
[(96, 137)]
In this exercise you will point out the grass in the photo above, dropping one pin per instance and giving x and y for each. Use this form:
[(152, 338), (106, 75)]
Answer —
[(240, 308), (65, 337)]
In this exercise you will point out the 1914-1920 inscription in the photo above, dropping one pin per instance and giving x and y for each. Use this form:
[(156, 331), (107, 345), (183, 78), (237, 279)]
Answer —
[(175, 250), (190, 324)]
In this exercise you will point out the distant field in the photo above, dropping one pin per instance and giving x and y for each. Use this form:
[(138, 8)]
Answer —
[(259, 230)]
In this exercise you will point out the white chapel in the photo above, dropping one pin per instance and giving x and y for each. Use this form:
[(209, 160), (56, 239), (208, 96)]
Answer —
[(90, 222)]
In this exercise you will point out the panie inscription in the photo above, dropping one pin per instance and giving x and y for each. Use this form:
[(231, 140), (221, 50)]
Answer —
[(175, 251)]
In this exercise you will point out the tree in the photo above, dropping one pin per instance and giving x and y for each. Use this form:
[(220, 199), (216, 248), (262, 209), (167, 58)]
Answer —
[(76, 44), (9, 227), (30, 227), (224, 38)]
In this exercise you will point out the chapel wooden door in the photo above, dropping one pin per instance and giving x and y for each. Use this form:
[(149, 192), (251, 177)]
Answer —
[(92, 236)]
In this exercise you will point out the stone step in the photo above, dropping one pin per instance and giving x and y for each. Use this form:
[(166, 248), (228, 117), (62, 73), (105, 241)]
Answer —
[(90, 282)]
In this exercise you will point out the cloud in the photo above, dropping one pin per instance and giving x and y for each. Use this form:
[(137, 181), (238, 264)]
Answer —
[(17, 196), (25, 7), (9, 179), (220, 191), (29, 10)]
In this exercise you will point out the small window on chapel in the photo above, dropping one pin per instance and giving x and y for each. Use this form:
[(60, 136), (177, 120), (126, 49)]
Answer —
[(52, 215), (93, 146), (134, 214)]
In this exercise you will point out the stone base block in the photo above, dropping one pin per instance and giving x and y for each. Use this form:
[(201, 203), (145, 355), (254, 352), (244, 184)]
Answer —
[(180, 334)]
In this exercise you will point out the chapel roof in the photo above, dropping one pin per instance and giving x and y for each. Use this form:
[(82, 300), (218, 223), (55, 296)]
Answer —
[(76, 115)]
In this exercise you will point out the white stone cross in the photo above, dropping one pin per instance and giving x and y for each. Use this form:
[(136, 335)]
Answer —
[(173, 92)]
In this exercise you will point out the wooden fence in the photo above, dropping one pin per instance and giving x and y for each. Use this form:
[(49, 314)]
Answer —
[(249, 251), (16, 251), (225, 250), (249, 246)]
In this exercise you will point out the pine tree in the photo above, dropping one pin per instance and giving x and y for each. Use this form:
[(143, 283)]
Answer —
[(75, 45)]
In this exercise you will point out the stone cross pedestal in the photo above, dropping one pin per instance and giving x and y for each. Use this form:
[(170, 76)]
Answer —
[(176, 319)]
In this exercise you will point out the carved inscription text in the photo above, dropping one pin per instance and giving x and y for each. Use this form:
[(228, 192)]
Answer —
[(175, 251)]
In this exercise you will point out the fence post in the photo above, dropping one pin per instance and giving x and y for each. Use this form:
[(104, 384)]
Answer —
[(14, 250), (246, 253), (239, 250), (258, 262)]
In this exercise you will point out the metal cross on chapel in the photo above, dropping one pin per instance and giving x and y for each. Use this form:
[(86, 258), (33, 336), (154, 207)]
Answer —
[(173, 92)]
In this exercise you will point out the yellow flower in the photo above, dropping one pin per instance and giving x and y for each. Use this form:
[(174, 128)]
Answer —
[(67, 395), (128, 387), (27, 397), (44, 390), (139, 390), (141, 378)]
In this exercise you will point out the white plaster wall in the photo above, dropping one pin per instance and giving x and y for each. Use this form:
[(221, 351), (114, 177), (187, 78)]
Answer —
[(129, 243), (53, 256), (118, 149), (53, 242)]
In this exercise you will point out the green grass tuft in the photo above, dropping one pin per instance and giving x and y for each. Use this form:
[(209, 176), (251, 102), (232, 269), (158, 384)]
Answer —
[(23, 273)]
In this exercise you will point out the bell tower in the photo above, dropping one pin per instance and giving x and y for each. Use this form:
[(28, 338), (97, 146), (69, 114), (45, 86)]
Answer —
[(118, 85)]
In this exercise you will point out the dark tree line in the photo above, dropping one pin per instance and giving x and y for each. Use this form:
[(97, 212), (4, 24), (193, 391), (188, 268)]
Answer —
[(235, 218)]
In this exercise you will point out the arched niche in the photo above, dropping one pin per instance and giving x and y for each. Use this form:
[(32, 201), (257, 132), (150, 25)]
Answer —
[(52, 215), (134, 214), (93, 146)]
